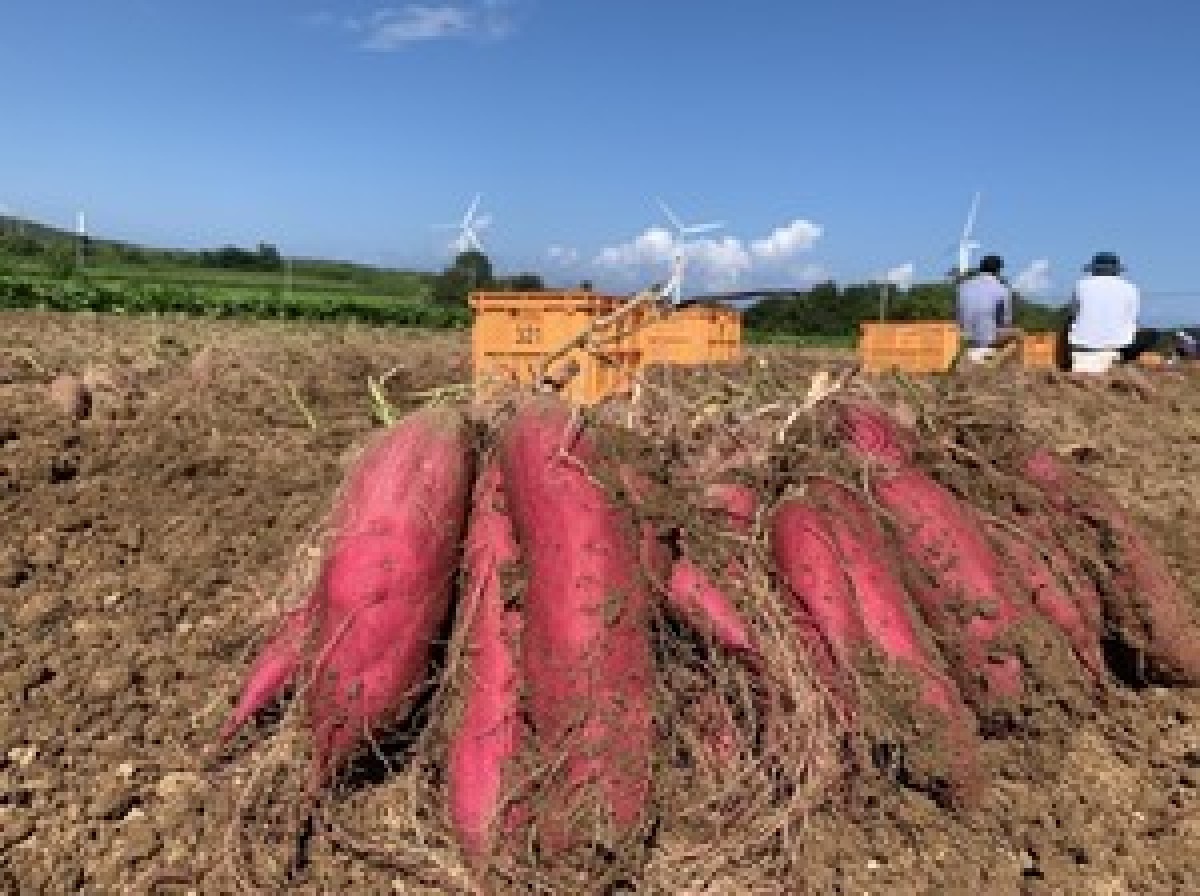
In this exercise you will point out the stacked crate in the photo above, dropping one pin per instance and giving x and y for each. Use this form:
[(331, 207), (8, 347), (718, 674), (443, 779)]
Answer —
[(513, 333)]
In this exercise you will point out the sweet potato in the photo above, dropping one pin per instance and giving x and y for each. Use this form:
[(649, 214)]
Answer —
[(891, 627), (1077, 583), (273, 669), (1052, 599), (961, 587), (387, 587), (962, 591), (828, 629), (585, 643), (1147, 610), (654, 553), (489, 732), (384, 586), (739, 503), (372, 486), (874, 434), (692, 593), (807, 560)]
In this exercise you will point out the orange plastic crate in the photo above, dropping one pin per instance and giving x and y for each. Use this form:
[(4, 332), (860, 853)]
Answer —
[(1151, 359), (1039, 351), (513, 332), (698, 334), (909, 346)]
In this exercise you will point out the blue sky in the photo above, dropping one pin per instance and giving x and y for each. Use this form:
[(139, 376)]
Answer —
[(834, 138)]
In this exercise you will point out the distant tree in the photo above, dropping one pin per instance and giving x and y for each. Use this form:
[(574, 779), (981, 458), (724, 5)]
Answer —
[(24, 246), (526, 283), (470, 271), (450, 287), (129, 254), (586, 286), (269, 258), (476, 267), (264, 258)]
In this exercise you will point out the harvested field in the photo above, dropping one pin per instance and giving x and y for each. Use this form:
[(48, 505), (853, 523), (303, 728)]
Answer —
[(150, 531)]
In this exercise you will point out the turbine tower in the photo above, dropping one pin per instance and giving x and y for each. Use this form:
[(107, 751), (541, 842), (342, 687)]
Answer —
[(674, 287), (80, 238), (966, 244)]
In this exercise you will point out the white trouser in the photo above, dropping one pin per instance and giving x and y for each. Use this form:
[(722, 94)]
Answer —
[(979, 355), (1093, 361)]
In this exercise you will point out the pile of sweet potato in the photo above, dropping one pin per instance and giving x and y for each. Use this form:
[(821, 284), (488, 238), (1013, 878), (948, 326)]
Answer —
[(906, 602)]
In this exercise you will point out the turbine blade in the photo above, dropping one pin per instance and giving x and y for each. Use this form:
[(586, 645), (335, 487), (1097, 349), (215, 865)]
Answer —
[(704, 228), (675, 222), (970, 226), (471, 211)]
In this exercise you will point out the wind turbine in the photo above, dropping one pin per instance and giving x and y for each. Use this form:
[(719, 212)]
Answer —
[(674, 287), (966, 243), (80, 238), (468, 235), (900, 278)]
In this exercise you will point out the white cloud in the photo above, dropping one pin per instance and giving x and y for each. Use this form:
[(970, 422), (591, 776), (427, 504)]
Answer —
[(716, 264), (389, 29), (901, 276), (655, 246), (392, 29), (787, 241), (719, 264), (1034, 279)]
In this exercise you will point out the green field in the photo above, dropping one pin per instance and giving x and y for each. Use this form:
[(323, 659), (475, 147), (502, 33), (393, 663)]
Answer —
[(115, 278), (222, 294)]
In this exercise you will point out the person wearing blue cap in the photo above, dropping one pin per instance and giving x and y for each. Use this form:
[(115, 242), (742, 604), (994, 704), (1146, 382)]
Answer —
[(1102, 314)]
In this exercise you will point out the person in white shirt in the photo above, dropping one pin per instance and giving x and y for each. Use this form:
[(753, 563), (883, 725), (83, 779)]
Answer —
[(1103, 314)]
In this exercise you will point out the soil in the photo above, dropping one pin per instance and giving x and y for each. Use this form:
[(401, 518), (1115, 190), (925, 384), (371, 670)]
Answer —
[(148, 538)]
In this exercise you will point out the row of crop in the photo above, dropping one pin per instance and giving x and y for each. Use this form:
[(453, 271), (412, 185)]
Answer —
[(153, 298)]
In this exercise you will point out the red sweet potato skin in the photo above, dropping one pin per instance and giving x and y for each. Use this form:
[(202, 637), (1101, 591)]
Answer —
[(890, 625), (739, 503), (1078, 583), (691, 591), (585, 643), (807, 560), (374, 486), (963, 592), (828, 628), (1148, 608), (275, 667), (488, 735), (385, 586), (1052, 599), (874, 434), (706, 608)]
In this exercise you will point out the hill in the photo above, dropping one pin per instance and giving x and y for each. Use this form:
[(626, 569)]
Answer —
[(22, 237)]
